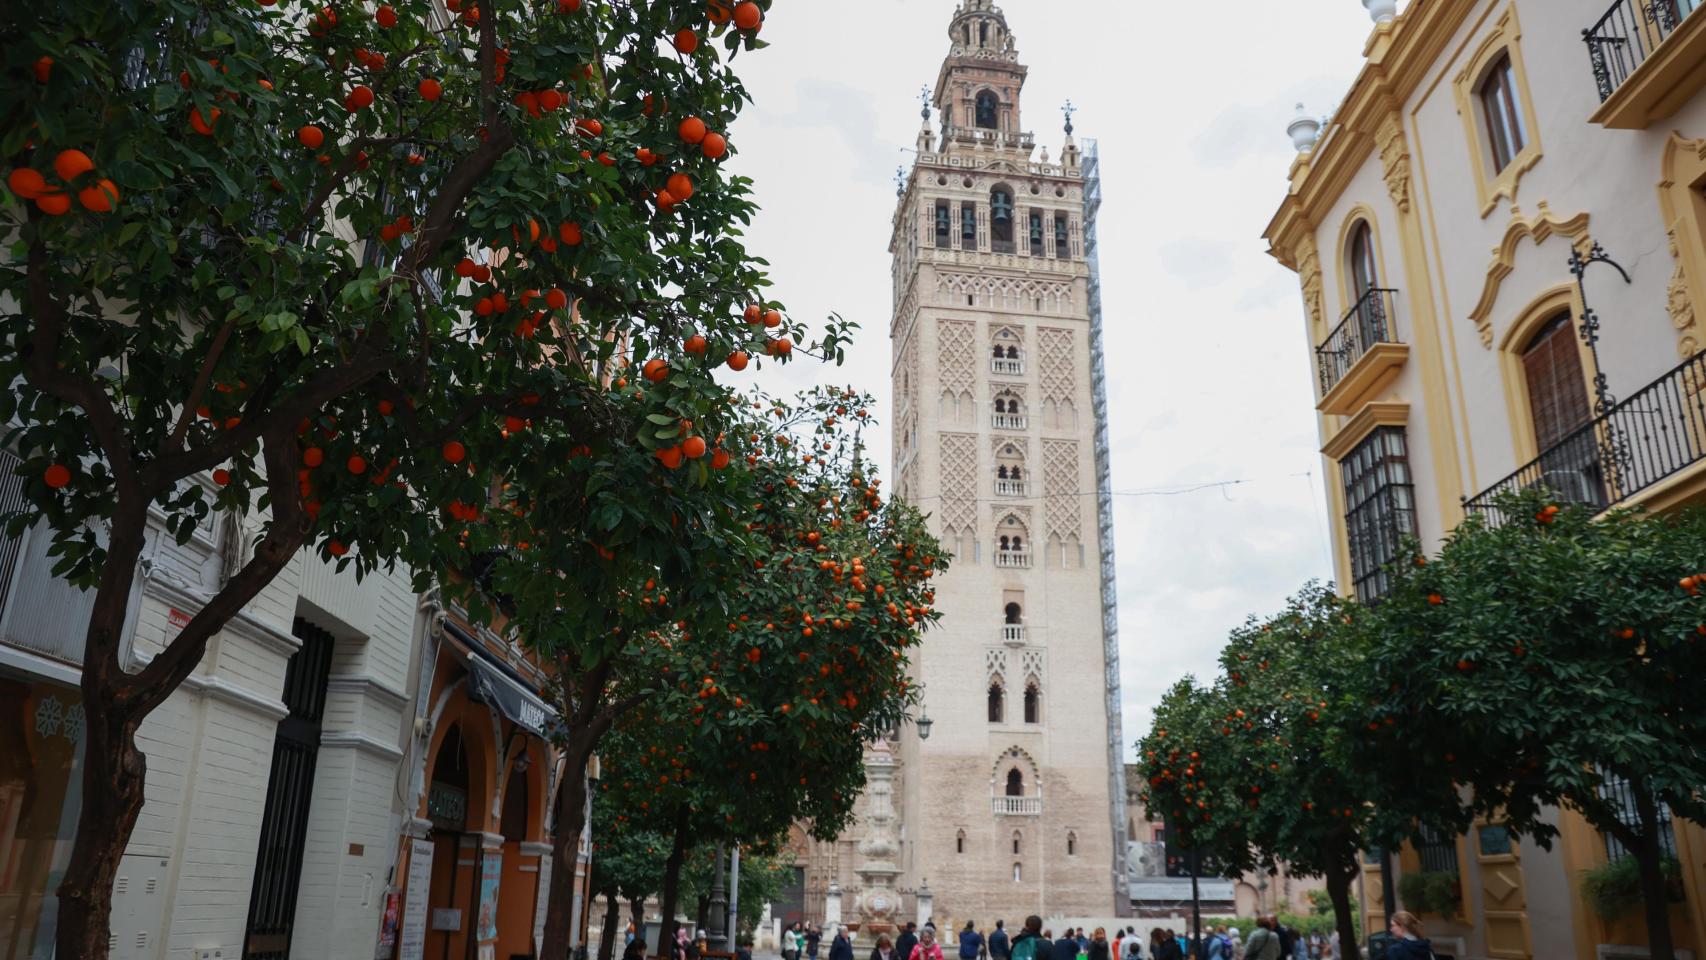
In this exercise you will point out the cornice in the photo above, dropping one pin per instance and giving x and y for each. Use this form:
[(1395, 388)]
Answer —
[(1371, 417)]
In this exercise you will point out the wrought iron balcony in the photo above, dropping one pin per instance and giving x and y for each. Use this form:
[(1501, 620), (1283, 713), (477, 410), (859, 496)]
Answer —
[(1013, 558), (1016, 806), (1007, 366), (1654, 434), (1011, 488), (1370, 321), (1628, 34), (1013, 634), (1009, 421)]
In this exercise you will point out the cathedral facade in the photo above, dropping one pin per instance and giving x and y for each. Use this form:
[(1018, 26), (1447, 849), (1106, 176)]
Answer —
[(1014, 803)]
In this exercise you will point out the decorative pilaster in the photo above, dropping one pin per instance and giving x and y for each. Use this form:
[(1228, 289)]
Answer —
[(1309, 274), (1395, 161)]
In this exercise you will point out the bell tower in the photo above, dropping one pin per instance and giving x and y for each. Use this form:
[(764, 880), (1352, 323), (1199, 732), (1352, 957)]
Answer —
[(1015, 803)]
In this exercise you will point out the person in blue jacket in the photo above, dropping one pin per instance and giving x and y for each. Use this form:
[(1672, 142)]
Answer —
[(971, 942)]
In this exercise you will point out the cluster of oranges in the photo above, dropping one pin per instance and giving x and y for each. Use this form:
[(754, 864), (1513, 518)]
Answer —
[(97, 195)]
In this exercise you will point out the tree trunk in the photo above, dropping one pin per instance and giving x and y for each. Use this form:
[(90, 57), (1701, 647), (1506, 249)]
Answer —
[(565, 849), (1649, 856), (1339, 892), (704, 911), (113, 774), (637, 906), (612, 917), (672, 885)]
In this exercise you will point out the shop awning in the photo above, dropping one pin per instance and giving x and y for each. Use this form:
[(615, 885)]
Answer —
[(493, 683)]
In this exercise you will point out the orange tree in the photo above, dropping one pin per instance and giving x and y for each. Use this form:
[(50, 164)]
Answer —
[(348, 269), (1269, 767), (625, 866), (1545, 661)]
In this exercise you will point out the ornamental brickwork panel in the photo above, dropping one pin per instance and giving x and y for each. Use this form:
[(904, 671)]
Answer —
[(1057, 375), (1061, 509), (956, 350), (959, 481)]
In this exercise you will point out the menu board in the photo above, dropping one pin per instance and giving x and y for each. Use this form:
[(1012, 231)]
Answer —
[(413, 940)]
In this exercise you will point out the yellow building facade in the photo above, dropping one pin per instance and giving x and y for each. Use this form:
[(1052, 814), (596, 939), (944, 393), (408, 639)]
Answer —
[(1500, 236)]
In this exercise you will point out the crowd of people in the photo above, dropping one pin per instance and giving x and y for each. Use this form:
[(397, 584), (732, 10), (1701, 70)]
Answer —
[(1269, 940)]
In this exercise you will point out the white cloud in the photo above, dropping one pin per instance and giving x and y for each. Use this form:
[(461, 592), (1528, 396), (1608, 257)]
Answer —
[(1209, 372)]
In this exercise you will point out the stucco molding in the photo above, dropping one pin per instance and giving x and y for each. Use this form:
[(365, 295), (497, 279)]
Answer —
[(1538, 228), (1395, 161), (1309, 274), (1505, 38), (1370, 418), (1683, 172)]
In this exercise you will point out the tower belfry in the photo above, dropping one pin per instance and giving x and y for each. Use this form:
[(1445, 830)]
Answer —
[(1015, 804)]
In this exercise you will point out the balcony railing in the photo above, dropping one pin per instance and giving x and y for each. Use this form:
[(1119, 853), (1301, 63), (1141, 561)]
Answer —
[(1009, 421), (1368, 322), (1012, 558), (1013, 633), (1627, 35), (1657, 432), (1016, 806), (1007, 366), (1012, 488)]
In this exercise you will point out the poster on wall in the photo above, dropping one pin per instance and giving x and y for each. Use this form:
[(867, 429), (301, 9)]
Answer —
[(541, 900), (413, 939), (491, 876)]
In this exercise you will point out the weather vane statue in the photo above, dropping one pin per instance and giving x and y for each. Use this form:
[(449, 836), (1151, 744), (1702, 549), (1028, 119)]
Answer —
[(1069, 110), (924, 102)]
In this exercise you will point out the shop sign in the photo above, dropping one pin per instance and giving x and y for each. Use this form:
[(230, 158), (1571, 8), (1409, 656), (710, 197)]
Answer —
[(414, 929), (447, 804), (491, 877)]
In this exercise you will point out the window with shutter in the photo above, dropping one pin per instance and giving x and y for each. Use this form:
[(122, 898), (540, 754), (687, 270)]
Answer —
[(1557, 395)]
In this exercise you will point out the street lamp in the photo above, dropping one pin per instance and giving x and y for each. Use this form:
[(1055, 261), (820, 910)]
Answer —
[(924, 723)]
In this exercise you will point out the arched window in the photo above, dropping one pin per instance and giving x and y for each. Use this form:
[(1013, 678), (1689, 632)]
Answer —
[(1018, 542), (1001, 471), (1012, 611), (944, 225), (983, 33), (960, 842), (1005, 543), (1000, 405), (1016, 476), (1018, 873), (998, 351), (1033, 703), (1012, 352), (1506, 133), (997, 700), (1017, 837), (1071, 844), (1365, 275), (447, 801), (987, 109), (1558, 405), (1015, 783), (1001, 219)]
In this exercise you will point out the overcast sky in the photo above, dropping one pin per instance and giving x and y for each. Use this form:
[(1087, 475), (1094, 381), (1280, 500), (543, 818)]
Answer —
[(1208, 368)]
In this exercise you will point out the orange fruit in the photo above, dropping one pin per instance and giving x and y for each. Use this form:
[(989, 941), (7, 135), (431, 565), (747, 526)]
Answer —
[(99, 198), (780, 348), (693, 447), (655, 370), (719, 459), (748, 16), (568, 6), (691, 130), (772, 318), (359, 98), (55, 203), (754, 313), (430, 89), (556, 299), (203, 123), (589, 126), (695, 345), (738, 360), (385, 16), (666, 201), (311, 136), (670, 457), (385, 408), (56, 476), (313, 456), (357, 464), (686, 41), (27, 183), (336, 548), (680, 186), (454, 451), (718, 10), (222, 476), (42, 68), (714, 146), (71, 164), (569, 233)]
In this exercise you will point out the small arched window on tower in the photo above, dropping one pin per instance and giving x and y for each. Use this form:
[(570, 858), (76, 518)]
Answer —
[(988, 109), (1071, 844), (997, 702), (1015, 783), (1018, 873), (983, 34), (1013, 613), (1001, 220), (1017, 838), (960, 842), (1033, 703)]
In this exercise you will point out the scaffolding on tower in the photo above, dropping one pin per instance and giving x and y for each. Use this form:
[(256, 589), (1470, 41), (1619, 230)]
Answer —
[(1105, 531)]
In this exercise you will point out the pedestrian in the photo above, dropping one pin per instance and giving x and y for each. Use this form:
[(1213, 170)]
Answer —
[(1032, 943), (814, 936), (1236, 935), (1131, 948), (906, 941), (1410, 944), (1163, 945), (1099, 948), (791, 942), (971, 942), (681, 944), (1066, 945), (999, 946), (1264, 943), (841, 948), (1216, 946), (1083, 942), (884, 950), (928, 948), (635, 950)]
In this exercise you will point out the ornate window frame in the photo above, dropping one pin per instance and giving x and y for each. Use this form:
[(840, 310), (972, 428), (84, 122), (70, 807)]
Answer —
[(1512, 375), (1492, 185), (1360, 213), (1682, 201)]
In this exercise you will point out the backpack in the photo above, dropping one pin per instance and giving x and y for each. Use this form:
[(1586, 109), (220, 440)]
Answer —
[(1132, 949), (1025, 948)]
